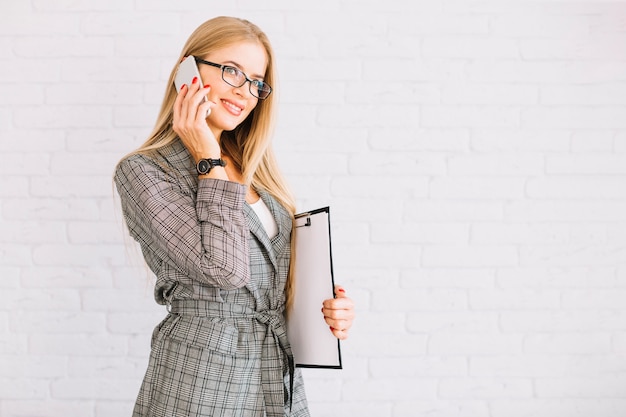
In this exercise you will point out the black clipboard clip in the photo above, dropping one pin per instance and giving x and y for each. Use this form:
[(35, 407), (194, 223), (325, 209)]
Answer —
[(308, 219), (308, 215)]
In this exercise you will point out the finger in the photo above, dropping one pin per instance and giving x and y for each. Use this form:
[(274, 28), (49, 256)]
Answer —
[(340, 334), (194, 86), (204, 110), (335, 316), (202, 105), (189, 107), (339, 321), (343, 303), (338, 307), (340, 292), (339, 324)]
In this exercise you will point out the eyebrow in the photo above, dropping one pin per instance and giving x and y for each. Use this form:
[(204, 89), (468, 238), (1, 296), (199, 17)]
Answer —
[(255, 76)]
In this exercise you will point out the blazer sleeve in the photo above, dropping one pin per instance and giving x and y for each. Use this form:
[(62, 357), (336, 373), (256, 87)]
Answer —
[(206, 240)]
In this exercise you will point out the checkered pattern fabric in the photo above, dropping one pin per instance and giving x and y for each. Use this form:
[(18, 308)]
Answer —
[(222, 349)]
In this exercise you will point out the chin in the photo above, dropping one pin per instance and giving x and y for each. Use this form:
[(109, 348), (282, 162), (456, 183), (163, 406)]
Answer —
[(230, 128), (224, 126)]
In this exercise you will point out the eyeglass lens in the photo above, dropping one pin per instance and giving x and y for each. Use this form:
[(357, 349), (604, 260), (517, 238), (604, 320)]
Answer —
[(236, 78)]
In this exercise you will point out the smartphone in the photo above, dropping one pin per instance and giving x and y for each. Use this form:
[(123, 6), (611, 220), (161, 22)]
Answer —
[(187, 70)]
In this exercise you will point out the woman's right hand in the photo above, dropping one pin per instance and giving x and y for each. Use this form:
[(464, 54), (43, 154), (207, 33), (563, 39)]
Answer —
[(189, 121)]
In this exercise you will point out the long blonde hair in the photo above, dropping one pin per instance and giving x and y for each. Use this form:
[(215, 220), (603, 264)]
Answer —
[(249, 144)]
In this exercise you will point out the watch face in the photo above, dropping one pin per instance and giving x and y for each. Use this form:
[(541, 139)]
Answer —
[(203, 166)]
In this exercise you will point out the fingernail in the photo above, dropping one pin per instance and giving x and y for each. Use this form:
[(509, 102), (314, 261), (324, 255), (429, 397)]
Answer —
[(341, 290), (207, 86), (183, 86), (195, 79), (332, 328)]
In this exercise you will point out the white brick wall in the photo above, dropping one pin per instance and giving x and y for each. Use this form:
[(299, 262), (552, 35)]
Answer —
[(473, 155)]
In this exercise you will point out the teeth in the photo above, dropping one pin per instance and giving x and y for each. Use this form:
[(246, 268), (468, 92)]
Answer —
[(232, 106)]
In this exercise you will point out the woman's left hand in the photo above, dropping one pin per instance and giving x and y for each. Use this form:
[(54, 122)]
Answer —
[(339, 313)]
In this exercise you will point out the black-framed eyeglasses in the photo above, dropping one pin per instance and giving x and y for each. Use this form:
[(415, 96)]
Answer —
[(235, 77)]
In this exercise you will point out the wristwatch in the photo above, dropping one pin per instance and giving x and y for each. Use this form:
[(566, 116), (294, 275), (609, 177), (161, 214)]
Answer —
[(205, 165)]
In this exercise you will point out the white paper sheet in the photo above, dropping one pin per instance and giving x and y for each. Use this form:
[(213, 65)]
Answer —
[(312, 343)]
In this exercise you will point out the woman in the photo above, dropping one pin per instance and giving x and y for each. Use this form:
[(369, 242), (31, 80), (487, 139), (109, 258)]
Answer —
[(206, 202)]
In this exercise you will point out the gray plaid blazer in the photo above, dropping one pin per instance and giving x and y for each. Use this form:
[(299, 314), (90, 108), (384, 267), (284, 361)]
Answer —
[(222, 349)]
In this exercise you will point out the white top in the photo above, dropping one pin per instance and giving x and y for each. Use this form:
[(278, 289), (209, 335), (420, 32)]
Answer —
[(265, 215)]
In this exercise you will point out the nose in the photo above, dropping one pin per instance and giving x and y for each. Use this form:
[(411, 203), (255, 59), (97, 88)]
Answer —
[(244, 90)]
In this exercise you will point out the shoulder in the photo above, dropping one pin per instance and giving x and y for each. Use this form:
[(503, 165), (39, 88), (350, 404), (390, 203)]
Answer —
[(169, 162), (134, 166)]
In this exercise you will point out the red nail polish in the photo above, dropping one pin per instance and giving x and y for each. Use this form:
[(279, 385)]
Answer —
[(207, 86), (195, 80), (341, 290), (332, 328), (183, 86)]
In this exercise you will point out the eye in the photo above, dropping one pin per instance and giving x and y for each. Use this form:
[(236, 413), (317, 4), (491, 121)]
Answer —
[(231, 71)]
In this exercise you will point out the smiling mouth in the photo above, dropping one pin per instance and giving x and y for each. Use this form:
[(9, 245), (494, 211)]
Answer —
[(232, 107)]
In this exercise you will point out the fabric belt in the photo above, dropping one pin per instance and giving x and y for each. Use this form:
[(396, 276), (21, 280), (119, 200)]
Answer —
[(276, 351)]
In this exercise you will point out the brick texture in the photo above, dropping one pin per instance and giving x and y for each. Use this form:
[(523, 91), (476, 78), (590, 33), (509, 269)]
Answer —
[(473, 154)]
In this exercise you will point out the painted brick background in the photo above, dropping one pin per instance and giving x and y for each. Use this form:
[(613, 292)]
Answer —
[(473, 155)]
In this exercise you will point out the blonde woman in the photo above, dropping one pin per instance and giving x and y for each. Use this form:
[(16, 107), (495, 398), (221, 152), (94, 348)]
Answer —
[(204, 198)]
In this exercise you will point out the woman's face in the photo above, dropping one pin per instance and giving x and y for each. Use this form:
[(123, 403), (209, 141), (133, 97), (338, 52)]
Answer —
[(232, 104)]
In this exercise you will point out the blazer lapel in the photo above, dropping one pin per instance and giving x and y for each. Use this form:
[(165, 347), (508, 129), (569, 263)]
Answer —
[(283, 220), (257, 229), (276, 246)]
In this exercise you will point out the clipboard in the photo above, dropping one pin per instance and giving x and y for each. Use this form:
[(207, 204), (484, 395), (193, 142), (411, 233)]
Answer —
[(312, 343)]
